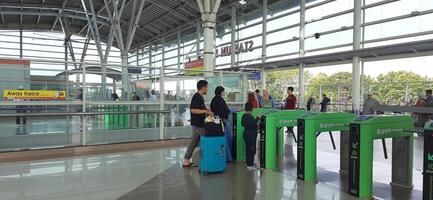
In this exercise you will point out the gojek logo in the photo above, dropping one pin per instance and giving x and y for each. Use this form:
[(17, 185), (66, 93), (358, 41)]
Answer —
[(323, 125), (286, 121), (429, 157), (384, 131), (354, 153), (429, 164)]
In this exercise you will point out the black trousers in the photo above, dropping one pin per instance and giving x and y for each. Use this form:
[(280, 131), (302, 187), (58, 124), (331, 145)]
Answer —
[(250, 147)]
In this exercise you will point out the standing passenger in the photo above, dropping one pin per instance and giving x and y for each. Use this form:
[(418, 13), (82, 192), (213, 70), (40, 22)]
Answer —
[(198, 114), (324, 103), (252, 100), (219, 107), (259, 98), (250, 134), (369, 106), (290, 104), (266, 101)]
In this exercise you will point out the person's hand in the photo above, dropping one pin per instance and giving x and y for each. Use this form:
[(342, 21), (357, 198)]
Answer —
[(209, 113)]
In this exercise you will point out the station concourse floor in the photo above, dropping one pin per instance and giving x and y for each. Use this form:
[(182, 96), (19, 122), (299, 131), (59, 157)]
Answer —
[(158, 175)]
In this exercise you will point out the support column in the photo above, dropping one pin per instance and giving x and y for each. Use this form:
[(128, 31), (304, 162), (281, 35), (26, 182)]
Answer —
[(233, 38), (161, 91), (125, 82), (150, 62), (208, 10), (356, 70), (264, 36), (179, 43), (21, 41), (301, 54)]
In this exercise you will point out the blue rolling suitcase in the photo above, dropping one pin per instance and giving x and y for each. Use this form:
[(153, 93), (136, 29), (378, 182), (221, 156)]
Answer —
[(213, 154)]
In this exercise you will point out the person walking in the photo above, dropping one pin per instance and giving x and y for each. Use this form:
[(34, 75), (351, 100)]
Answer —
[(266, 101), (369, 106), (324, 103), (198, 114), (310, 103), (219, 107), (115, 97)]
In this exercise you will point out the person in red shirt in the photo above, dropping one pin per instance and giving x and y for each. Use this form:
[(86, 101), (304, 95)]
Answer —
[(290, 100), (252, 100), (290, 105)]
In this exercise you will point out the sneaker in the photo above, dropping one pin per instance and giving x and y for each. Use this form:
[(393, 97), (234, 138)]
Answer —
[(251, 168)]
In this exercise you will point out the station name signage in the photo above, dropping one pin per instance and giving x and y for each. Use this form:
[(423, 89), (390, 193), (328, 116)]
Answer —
[(241, 47), (34, 94)]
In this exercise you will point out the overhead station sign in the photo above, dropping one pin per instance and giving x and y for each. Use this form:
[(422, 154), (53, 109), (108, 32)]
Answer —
[(34, 94), (194, 67)]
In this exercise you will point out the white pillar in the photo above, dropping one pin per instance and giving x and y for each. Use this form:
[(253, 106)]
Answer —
[(301, 54), (356, 70), (209, 51), (125, 82), (264, 36), (208, 11), (162, 91)]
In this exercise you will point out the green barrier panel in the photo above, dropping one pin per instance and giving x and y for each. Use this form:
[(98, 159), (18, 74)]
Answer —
[(310, 125), (115, 116), (363, 131), (272, 136), (427, 190)]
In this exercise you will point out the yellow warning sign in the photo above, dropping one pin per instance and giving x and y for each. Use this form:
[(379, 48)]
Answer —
[(34, 94)]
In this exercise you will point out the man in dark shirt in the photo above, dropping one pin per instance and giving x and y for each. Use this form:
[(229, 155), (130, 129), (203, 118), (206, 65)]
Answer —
[(324, 103), (198, 114)]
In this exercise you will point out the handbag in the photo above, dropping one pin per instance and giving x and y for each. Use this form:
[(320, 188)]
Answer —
[(213, 126)]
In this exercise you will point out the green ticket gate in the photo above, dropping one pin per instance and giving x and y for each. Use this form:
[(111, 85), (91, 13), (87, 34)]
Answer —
[(271, 136), (310, 125), (427, 191), (116, 120), (238, 132), (363, 131)]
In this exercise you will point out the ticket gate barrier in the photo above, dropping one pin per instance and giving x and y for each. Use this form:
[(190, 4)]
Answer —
[(117, 120), (310, 125), (271, 135), (427, 190), (363, 131), (238, 142)]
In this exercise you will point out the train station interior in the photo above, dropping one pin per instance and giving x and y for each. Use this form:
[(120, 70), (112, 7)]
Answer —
[(216, 99)]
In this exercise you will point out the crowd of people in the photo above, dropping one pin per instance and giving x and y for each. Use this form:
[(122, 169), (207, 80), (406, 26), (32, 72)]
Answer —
[(219, 107)]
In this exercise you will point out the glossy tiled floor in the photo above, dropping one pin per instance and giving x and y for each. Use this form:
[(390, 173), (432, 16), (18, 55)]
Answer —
[(157, 174)]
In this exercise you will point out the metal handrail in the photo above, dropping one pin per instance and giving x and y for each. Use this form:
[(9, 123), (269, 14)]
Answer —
[(81, 113)]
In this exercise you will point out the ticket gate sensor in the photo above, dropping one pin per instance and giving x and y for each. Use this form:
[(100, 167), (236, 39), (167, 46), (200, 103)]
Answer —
[(309, 127), (363, 131), (271, 136), (427, 190), (238, 132)]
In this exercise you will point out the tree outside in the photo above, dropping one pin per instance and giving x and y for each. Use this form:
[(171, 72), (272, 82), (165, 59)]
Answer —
[(387, 88)]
